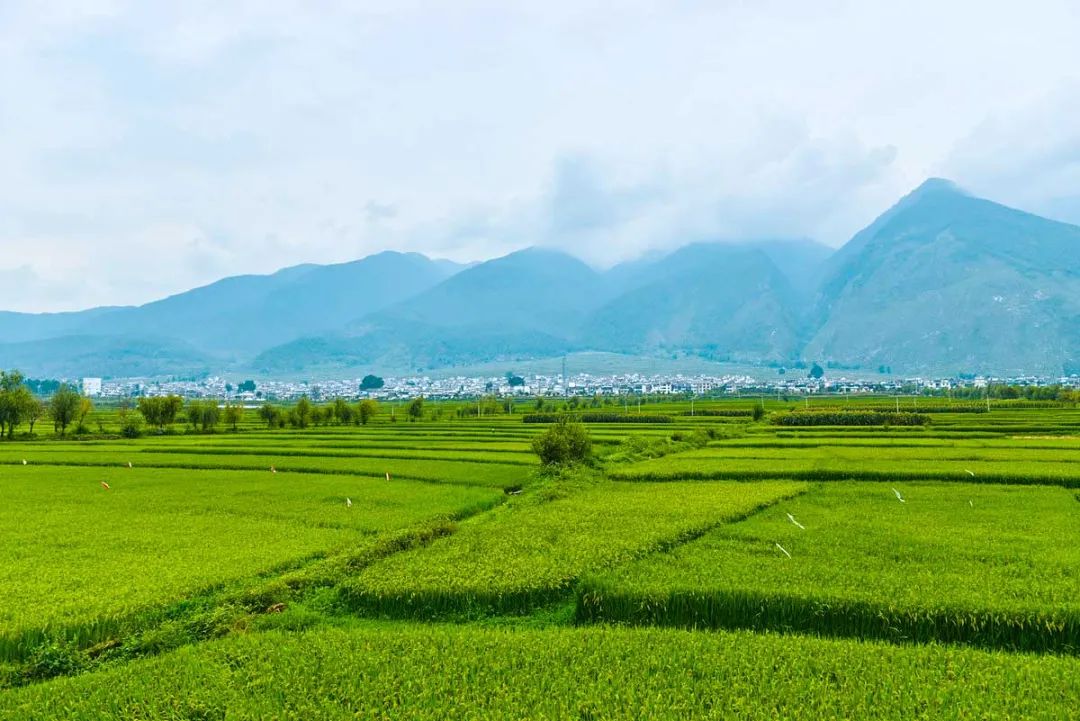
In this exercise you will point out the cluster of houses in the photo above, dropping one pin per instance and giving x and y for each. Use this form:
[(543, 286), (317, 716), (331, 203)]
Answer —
[(581, 384)]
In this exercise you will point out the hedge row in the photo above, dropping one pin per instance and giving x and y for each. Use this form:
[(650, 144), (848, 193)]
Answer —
[(849, 418), (722, 413), (595, 418)]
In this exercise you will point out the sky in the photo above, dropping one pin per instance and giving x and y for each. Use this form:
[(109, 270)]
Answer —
[(150, 147)]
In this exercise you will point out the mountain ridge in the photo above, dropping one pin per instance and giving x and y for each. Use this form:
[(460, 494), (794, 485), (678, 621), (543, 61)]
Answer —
[(941, 281)]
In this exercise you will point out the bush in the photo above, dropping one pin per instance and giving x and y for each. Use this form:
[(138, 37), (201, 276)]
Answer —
[(722, 412), (596, 418), (131, 426), (564, 444), (849, 418), (52, 659)]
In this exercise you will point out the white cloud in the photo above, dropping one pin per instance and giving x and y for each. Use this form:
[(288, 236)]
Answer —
[(1029, 158), (151, 146)]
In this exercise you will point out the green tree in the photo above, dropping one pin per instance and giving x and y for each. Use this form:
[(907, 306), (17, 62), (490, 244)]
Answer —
[(233, 414), (271, 414), (366, 410), (564, 444), (415, 408), (211, 416), (130, 423), (86, 407), (161, 411), (207, 414), (371, 383), (35, 409), (300, 416), (247, 386), (817, 372), (204, 415), (170, 409), (151, 410), (194, 413), (342, 411), (64, 407), (16, 402)]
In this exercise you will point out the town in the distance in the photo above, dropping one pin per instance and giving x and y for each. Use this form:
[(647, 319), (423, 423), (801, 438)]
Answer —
[(798, 382)]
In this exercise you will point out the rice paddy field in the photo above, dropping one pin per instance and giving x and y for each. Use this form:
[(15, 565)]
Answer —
[(708, 565)]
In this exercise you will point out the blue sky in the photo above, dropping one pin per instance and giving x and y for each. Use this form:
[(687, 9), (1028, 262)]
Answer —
[(149, 147)]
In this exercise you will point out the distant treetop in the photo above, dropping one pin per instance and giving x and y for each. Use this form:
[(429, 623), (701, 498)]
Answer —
[(371, 382)]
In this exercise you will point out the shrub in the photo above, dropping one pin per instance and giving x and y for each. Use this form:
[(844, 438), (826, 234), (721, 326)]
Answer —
[(131, 426), (54, 658), (565, 443), (596, 418), (849, 418), (722, 412)]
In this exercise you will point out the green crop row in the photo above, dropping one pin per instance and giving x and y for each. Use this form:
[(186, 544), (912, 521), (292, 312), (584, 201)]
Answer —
[(432, 673), (514, 459), (875, 453), (988, 565), (494, 475), (78, 557), (685, 466), (527, 554)]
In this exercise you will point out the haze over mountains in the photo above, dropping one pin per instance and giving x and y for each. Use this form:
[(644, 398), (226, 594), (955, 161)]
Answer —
[(943, 282)]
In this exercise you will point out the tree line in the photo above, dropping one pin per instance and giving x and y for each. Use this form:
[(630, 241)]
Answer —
[(162, 412), (19, 405)]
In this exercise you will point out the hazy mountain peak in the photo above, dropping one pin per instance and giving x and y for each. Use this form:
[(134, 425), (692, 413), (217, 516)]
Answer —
[(945, 279), (937, 186)]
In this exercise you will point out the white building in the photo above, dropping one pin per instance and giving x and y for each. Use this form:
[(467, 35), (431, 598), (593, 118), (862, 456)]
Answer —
[(91, 386)]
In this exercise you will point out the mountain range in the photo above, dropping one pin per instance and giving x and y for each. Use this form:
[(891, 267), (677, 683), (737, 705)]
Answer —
[(942, 282)]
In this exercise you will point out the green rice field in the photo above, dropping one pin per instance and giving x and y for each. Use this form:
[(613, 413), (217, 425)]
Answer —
[(708, 566)]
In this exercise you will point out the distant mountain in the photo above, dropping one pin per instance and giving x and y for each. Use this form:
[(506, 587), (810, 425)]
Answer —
[(942, 282), (719, 299), (407, 347), (802, 262), (235, 318), (245, 314), (531, 289), (77, 356), (528, 303), (948, 282)]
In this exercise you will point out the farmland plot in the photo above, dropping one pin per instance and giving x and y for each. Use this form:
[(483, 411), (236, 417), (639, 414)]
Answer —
[(990, 565)]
